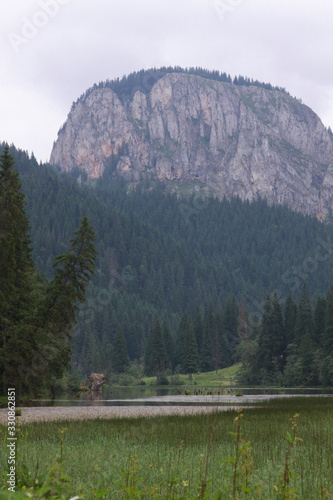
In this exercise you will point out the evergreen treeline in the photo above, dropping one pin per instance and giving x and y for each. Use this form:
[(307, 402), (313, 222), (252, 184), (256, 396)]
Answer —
[(205, 342), (145, 79), (36, 316), (163, 258), (256, 247), (293, 345)]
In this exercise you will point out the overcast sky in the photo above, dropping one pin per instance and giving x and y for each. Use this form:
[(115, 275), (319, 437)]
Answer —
[(53, 50)]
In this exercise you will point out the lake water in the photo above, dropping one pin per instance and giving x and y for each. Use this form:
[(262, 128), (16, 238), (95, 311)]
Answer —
[(155, 396)]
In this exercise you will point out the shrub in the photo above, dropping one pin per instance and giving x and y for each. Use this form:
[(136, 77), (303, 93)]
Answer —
[(125, 379), (134, 372), (162, 380)]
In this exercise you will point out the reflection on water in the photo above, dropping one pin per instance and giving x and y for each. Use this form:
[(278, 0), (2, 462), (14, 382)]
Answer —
[(93, 398), (156, 396)]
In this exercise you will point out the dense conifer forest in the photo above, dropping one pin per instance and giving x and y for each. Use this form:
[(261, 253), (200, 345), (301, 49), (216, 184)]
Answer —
[(181, 283), (36, 315)]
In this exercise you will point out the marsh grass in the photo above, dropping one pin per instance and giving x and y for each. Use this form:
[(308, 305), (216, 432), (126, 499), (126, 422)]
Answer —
[(217, 456)]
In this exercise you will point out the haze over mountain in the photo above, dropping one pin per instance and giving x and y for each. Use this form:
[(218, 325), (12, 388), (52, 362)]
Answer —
[(202, 131)]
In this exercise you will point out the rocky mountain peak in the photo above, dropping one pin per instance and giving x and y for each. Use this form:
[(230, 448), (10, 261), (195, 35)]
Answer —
[(188, 130)]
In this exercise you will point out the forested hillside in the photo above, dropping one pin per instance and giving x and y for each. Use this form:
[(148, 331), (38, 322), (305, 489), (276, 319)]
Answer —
[(257, 247), (184, 266)]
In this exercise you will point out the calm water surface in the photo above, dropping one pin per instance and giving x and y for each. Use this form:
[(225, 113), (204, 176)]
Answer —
[(155, 396)]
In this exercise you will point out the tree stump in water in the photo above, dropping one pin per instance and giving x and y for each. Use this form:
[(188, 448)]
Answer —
[(95, 382)]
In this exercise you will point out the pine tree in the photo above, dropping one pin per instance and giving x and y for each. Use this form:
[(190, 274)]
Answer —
[(319, 320), (191, 358), (304, 321), (242, 322), (207, 358), (181, 340), (290, 314), (217, 354), (19, 291), (327, 338), (119, 354), (35, 318), (169, 344), (325, 353), (271, 340), (155, 357), (93, 359), (306, 361), (74, 270), (230, 321), (57, 314), (197, 326), (224, 351)]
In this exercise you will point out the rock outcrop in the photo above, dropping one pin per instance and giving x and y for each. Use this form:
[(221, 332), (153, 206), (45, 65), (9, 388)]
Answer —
[(227, 139)]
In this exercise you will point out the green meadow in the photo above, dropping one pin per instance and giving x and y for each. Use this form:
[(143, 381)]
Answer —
[(259, 453), (221, 378)]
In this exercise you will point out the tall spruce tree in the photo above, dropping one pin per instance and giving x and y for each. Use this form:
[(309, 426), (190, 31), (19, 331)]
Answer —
[(35, 318), (169, 344), (325, 354), (319, 320), (271, 340), (304, 320), (327, 338), (181, 340), (119, 356), (207, 353), (306, 360), (73, 271), (230, 321), (155, 356), (289, 322), (197, 326), (57, 314), (191, 358), (290, 314), (19, 292), (242, 322), (224, 353)]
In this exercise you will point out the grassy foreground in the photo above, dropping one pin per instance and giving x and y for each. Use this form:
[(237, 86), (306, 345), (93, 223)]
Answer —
[(182, 457)]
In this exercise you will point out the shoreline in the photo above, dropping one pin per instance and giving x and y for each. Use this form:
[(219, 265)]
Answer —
[(61, 413)]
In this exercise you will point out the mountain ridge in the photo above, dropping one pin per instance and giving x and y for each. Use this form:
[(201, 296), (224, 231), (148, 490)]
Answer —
[(214, 136)]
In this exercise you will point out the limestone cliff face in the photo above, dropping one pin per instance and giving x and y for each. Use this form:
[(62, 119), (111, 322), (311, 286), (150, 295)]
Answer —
[(230, 140)]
